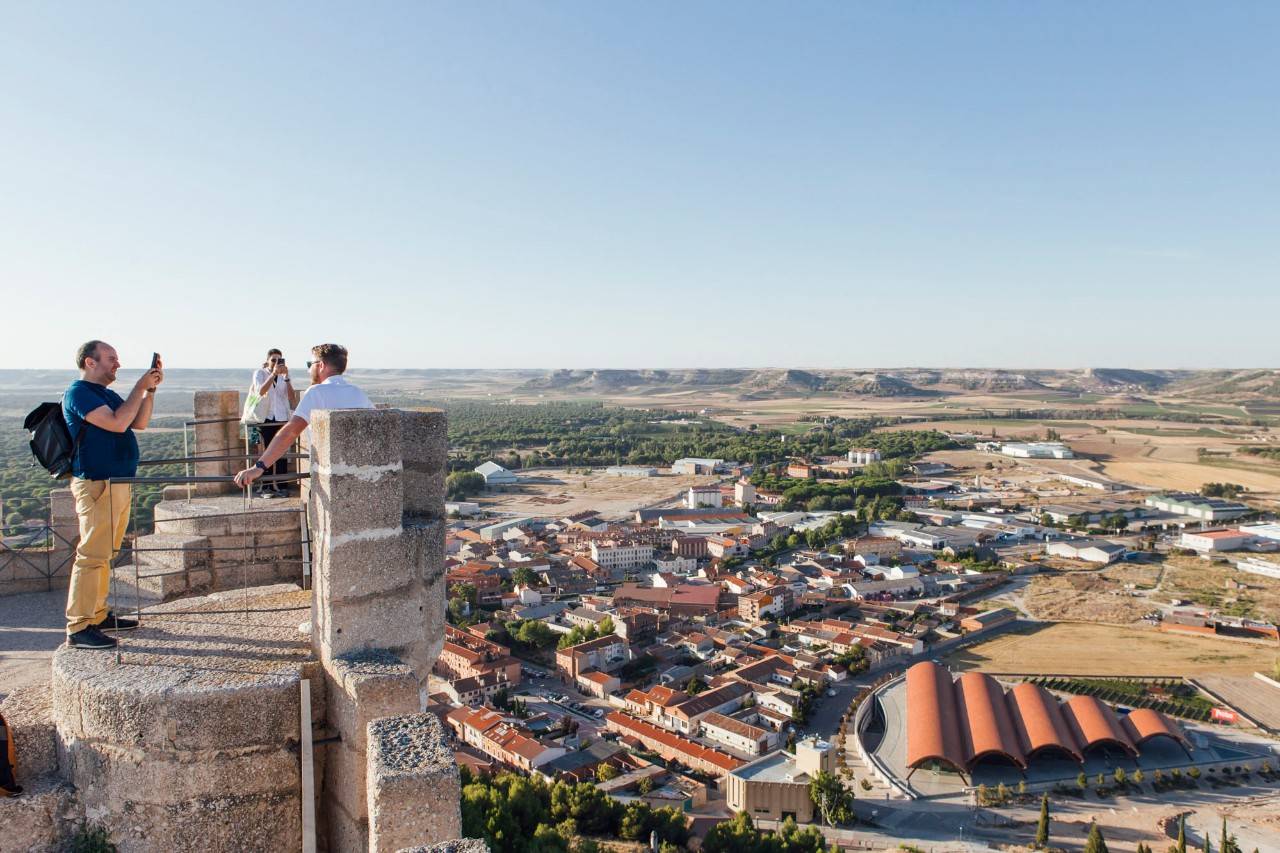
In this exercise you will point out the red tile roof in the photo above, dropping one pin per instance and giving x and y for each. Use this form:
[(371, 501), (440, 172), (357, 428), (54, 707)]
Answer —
[(674, 742)]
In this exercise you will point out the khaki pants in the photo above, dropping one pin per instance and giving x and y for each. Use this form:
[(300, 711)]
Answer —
[(103, 519)]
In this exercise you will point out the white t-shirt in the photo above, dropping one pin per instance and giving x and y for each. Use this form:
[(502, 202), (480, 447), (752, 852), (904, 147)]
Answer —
[(277, 395), (333, 393)]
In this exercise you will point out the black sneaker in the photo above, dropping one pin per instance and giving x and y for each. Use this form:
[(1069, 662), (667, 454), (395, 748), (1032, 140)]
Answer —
[(91, 638), (116, 623)]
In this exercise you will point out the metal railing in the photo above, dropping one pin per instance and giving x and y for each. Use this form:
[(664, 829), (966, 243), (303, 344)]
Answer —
[(221, 454), (44, 555), (39, 548)]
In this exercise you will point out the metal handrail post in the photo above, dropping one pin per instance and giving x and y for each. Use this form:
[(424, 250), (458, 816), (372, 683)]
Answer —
[(48, 551), (186, 466), (133, 549)]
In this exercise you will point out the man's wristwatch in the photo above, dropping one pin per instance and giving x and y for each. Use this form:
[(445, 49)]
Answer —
[(259, 464)]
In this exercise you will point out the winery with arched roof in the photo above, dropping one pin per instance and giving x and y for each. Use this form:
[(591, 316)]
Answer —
[(957, 723)]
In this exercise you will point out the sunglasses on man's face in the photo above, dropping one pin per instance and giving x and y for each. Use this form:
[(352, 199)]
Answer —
[(309, 363)]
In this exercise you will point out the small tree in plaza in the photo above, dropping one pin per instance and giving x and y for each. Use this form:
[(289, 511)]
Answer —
[(1095, 843), (1042, 828)]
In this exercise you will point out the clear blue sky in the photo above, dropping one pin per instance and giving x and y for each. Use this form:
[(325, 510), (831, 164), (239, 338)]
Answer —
[(556, 184)]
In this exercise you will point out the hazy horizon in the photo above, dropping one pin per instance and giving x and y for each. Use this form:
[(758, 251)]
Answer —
[(300, 369)]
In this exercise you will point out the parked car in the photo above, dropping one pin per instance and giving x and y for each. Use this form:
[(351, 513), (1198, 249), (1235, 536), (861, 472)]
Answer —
[(831, 691), (599, 713)]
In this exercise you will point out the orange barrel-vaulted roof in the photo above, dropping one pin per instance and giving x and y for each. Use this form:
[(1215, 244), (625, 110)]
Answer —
[(1142, 724), (933, 721), (1093, 723), (1038, 719), (989, 729)]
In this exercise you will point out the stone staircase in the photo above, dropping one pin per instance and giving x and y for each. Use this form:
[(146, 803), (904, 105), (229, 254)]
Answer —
[(209, 544)]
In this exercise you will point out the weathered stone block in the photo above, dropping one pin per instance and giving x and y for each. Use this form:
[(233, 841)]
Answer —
[(107, 774), (214, 439), (175, 493), (355, 438), (254, 574), (346, 834), (174, 550), (424, 549), (393, 622), (39, 820), (412, 784), (357, 568), (29, 713), (282, 541), (344, 778), (366, 686), (435, 604), (151, 586), (250, 823), (425, 450), (356, 504)]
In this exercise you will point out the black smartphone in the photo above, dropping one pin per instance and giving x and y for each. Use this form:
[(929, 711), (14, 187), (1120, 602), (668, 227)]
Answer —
[(280, 360), (155, 360)]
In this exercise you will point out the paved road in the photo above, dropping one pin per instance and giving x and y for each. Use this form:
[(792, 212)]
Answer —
[(825, 718), (32, 626)]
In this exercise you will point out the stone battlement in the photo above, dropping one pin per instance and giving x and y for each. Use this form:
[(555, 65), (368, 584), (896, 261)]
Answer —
[(193, 737)]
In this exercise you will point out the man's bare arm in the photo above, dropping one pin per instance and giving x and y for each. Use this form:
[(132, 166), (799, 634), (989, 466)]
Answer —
[(143, 417), (280, 445)]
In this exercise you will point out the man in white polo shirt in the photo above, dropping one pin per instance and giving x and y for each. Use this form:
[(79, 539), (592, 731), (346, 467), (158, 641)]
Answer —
[(329, 390)]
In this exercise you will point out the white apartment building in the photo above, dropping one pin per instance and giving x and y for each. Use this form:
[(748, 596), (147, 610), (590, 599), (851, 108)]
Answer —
[(675, 564), (703, 496), (621, 555), (739, 736), (744, 493)]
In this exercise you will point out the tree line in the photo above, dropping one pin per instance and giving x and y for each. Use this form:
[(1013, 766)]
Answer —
[(518, 814)]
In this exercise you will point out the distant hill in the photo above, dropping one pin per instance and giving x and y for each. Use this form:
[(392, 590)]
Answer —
[(1228, 386), (746, 384)]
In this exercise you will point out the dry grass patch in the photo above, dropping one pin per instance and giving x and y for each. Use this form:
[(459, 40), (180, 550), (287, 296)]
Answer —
[(1090, 649), (1083, 597), (1222, 586), (1139, 575)]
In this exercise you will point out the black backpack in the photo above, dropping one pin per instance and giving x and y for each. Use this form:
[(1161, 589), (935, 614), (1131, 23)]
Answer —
[(9, 786), (51, 442)]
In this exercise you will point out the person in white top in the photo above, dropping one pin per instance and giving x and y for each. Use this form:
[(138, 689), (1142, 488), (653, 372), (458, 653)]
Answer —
[(272, 382), (329, 390)]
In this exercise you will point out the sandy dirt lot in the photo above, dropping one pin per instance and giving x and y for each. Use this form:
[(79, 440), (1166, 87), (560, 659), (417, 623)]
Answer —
[(1076, 649), (1122, 594), (1085, 597), (557, 493)]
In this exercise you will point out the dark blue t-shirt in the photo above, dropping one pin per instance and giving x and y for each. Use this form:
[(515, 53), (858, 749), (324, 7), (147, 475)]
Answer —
[(103, 454)]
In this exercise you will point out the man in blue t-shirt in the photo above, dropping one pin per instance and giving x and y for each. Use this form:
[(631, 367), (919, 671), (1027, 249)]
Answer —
[(101, 424)]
